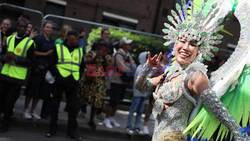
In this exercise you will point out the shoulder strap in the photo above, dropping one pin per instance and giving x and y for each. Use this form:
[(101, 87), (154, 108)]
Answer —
[(115, 57), (62, 53), (80, 54), (25, 47), (9, 39)]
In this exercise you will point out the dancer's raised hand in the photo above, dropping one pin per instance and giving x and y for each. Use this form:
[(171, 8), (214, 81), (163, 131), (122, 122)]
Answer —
[(155, 60)]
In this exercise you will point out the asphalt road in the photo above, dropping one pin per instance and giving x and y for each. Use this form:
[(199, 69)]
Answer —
[(28, 130)]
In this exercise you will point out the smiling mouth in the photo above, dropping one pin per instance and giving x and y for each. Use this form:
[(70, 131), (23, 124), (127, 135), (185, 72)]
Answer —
[(184, 54)]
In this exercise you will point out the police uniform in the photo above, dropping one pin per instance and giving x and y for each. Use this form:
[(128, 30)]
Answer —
[(13, 74)]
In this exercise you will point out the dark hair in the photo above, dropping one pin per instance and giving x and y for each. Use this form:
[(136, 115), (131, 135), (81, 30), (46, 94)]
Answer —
[(99, 44), (74, 33), (104, 29), (48, 22), (22, 19), (24, 16)]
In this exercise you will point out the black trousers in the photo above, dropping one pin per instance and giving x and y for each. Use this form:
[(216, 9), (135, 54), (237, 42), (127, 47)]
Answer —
[(45, 111), (73, 105), (9, 93)]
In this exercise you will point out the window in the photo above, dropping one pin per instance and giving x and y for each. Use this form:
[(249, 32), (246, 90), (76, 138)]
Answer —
[(118, 20), (54, 8)]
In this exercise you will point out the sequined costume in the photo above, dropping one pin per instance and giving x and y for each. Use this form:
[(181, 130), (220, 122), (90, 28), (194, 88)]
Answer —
[(174, 119), (174, 93)]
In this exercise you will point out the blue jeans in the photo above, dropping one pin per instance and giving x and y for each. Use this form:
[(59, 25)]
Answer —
[(137, 106)]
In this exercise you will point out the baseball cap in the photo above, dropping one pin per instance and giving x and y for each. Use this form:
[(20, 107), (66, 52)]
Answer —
[(126, 41)]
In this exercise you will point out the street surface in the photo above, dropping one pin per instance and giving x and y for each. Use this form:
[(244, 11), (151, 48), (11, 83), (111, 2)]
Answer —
[(28, 130)]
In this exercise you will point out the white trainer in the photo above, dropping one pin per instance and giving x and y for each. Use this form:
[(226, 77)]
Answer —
[(35, 116), (27, 115), (107, 123), (114, 122), (130, 131)]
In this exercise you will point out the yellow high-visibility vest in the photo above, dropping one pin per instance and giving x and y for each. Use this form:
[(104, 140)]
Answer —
[(20, 50), (69, 62)]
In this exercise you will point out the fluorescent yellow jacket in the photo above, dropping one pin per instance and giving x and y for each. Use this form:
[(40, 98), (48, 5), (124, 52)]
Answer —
[(69, 62), (20, 50)]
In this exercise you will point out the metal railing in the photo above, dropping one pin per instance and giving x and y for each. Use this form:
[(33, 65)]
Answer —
[(99, 24)]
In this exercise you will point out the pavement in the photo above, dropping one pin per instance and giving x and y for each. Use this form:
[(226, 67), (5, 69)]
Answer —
[(30, 130)]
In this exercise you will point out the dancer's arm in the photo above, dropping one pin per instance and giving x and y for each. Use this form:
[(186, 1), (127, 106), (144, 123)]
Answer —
[(143, 82), (199, 85)]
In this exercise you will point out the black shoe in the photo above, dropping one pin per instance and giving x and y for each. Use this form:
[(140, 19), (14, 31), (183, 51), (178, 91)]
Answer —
[(4, 129), (50, 134), (137, 131), (92, 125), (45, 117), (75, 137)]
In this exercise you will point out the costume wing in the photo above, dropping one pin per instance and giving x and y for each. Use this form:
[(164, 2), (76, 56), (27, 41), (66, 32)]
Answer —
[(227, 75), (230, 81)]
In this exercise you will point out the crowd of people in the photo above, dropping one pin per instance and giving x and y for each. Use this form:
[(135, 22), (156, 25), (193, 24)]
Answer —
[(46, 68)]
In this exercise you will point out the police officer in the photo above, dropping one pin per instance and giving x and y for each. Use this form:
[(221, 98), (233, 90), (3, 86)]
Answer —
[(68, 66), (17, 59)]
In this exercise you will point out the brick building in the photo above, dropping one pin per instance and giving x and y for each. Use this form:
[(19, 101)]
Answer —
[(143, 15)]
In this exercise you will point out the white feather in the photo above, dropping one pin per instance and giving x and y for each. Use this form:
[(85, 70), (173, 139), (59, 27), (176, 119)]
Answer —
[(228, 74)]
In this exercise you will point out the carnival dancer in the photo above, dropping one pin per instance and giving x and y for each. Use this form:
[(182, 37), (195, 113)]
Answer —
[(183, 84)]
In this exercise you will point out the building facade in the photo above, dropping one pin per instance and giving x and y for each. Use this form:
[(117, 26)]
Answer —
[(142, 15)]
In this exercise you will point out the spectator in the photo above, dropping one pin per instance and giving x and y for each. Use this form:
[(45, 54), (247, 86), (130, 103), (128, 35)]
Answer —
[(105, 36), (18, 56), (138, 101), (36, 82), (82, 39), (4, 27), (68, 65), (31, 31), (148, 112), (109, 74), (64, 31), (125, 63), (93, 89)]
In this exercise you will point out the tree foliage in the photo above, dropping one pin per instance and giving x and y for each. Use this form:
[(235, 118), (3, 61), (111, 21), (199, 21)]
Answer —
[(140, 42)]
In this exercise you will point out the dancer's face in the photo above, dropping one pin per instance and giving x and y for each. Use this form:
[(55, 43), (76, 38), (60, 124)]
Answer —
[(185, 51)]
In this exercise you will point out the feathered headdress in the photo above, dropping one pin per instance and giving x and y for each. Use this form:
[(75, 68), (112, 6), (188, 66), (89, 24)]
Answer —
[(195, 25)]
